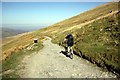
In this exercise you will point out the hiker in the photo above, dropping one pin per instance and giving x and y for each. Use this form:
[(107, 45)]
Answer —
[(70, 41)]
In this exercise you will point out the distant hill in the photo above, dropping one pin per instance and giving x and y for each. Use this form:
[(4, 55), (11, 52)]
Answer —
[(7, 32), (96, 34)]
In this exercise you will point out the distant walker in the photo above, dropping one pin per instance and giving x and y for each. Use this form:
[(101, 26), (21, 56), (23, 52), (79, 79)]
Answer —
[(35, 40)]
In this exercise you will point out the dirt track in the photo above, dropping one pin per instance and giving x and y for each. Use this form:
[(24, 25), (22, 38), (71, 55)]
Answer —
[(49, 63)]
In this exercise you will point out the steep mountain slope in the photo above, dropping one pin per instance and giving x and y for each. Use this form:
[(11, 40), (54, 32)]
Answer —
[(86, 16), (96, 36)]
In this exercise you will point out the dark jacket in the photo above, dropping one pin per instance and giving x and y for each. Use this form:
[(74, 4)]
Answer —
[(70, 40)]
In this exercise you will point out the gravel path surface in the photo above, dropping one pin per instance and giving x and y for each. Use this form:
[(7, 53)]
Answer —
[(49, 63)]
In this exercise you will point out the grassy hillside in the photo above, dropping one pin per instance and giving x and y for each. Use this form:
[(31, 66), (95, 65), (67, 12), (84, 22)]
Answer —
[(19, 42), (16, 48), (99, 42), (84, 17), (15, 59), (96, 36)]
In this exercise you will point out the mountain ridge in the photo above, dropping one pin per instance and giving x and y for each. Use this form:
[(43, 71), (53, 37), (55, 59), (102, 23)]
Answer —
[(7, 32)]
